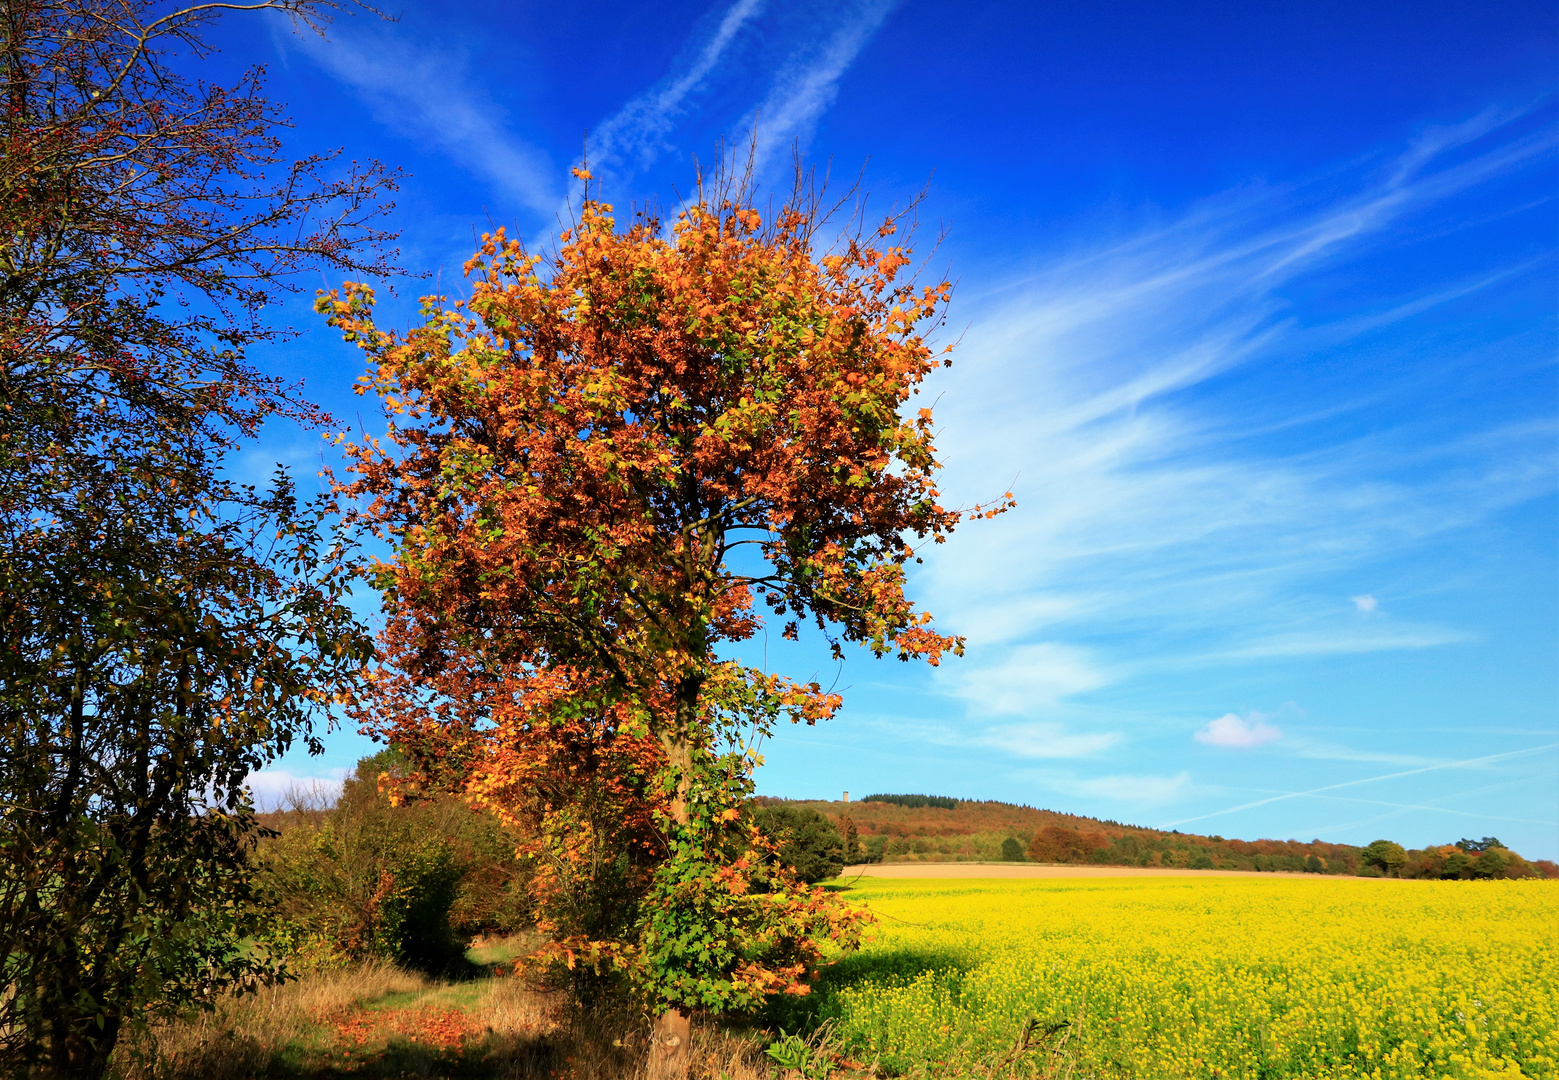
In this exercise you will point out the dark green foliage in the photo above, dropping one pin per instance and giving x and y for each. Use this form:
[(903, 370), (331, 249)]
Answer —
[(851, 838), (1386, 856), (154, 656), (1493, 864), (874, 847), (164, 629), (414, 923), (915, 802), (807, 841), (1314, 865), (1012, 850), (1488, 843)]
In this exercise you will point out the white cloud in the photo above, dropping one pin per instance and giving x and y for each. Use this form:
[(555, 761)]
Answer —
[(1028, 678), (423, 92), (1046, 740), (1324, 751), (274, 789), (1234, 731), (1341, 641), (1366, 603)]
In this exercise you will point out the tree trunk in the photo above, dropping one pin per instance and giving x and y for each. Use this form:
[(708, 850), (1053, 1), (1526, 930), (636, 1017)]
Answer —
[(670, 1037), (670, 1046)]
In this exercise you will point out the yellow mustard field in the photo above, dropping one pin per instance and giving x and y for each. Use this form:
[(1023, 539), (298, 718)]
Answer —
[(1205, 977)]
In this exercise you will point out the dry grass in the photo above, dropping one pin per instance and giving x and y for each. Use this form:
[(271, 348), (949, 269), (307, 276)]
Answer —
[(378, 1021)]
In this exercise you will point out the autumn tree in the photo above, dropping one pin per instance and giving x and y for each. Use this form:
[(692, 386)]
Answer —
[(164, 629), (601, 469)]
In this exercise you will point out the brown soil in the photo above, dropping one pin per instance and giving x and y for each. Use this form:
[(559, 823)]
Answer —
[(1032, 870)]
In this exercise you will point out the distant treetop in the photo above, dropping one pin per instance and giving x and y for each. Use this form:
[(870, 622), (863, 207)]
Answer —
[(915, 802), (1488, 843)]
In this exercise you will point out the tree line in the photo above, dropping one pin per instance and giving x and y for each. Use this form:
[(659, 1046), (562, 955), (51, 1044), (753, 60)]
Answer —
[(939, 828)]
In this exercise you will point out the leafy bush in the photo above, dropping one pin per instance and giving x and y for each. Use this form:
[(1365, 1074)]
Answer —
[(808, 1059), (414, 922), (408, 883), (1012, 850)]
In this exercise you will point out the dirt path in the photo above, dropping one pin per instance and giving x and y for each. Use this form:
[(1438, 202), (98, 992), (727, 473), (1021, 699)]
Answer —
[(1034, 870)]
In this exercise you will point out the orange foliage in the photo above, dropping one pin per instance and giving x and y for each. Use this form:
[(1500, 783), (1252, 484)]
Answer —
[(441, 1028), (575, 458), (1057, 844)]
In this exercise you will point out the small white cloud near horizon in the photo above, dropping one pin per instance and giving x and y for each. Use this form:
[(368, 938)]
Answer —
[(1236, 732), (1365, 603)]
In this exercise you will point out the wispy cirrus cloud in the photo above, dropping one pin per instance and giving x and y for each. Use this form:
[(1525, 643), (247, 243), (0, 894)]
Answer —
[(1024, 677), (804, 88), (1207, 530), (632, 138), (1045, 740), (425, 92), (1141, 790), (1483, 762), (800, 88)]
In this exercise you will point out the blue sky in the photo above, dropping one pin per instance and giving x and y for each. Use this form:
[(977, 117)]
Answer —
[(1257, 315)]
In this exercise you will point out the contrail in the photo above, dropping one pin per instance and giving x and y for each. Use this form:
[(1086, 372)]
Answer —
[(1366, 780)]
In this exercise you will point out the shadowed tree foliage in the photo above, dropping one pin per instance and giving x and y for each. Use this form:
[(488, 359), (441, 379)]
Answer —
[(804, 841), (850, 836), (164, 629)]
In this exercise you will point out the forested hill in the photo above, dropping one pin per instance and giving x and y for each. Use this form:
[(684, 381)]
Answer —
[(920, 828)]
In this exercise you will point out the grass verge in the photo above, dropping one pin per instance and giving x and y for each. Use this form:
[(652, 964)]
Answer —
[(379, 1022)]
